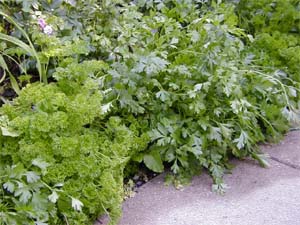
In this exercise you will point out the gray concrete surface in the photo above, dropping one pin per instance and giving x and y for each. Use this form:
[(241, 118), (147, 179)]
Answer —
[(256, 196), (287, 151)]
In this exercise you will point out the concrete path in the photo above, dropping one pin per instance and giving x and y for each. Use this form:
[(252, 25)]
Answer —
[(257, 196)]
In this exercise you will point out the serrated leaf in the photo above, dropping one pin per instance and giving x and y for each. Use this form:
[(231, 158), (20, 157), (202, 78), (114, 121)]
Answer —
[(198, 87), (216, 170), (162, 95), (292, 92), (106, 108), (220, 188), (226, 131), (53, 197), (197, 146), (155, 134), (262, 159), (170, 156), (153, 161), (24, 194), (9, 186), (242, 140), (76, 204), (215, 134), (32, 176), (235, 105), (195, 36), (175, 168), (162, 129), (40, 163), (38, 201)]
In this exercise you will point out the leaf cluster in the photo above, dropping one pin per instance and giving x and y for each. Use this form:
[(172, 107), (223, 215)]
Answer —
[(276, 26), (61, 160), (189, 76)]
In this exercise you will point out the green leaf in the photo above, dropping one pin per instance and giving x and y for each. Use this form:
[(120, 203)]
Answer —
[(219, 188), (32, 177), (28, 48), (8, 132), (53, 197), (106, 108), (4, 67), (24, 193), (175, 168), (40, 163), (242, 140), (197, 146), (76, 204), (153, 161), (40, 223), (262, 159), (14, 83), (163, 95), (9, 186), (215, 134)]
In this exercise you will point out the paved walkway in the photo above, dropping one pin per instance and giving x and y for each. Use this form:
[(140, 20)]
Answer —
[(257, 196)]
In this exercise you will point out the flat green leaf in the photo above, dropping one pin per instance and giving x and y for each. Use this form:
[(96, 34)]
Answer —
[(153, 161), (14, 83), (28, 48), (4, 67)]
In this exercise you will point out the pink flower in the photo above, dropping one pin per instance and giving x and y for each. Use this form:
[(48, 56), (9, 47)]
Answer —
[(48, 30), (42, 23)]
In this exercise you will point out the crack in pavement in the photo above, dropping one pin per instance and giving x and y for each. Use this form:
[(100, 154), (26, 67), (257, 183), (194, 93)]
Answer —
[(291, 165)]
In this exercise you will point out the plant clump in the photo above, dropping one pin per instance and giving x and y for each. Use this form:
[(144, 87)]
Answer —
[(61, 160)]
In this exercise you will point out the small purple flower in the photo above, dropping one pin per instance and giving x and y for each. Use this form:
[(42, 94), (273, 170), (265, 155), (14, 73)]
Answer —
[(154, 31), (42, 23), (48, 30)]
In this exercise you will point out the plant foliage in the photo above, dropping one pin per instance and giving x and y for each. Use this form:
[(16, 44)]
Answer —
[(183, 84), (61, 162)]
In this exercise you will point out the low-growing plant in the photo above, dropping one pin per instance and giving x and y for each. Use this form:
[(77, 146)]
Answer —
[(276, 27), (190, 82), (180, 84), (61, 161)]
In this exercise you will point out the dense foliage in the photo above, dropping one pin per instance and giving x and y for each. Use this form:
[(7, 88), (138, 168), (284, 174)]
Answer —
[(276, 27), (184, 84), (57, 152)]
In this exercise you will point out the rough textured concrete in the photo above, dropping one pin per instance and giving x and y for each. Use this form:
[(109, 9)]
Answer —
[(287, 151), (256, 196)]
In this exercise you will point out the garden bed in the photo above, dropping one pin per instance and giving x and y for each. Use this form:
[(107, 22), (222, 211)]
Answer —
[(93, 90)]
